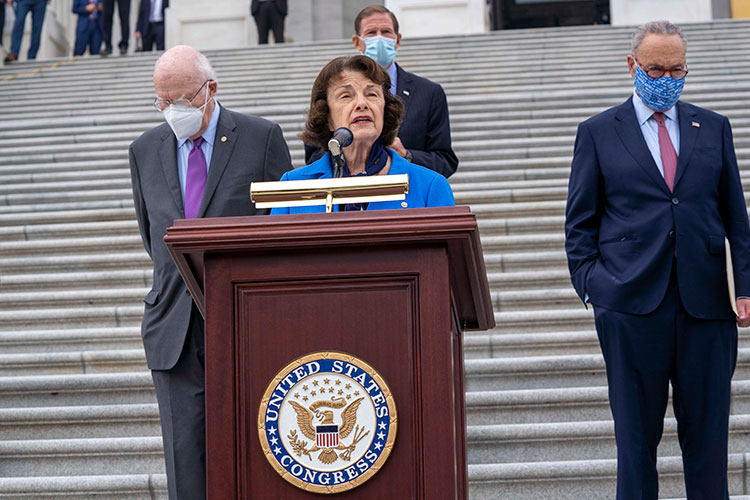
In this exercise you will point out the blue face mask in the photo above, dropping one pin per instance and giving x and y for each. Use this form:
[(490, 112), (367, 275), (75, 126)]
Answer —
[(381, 49), (659, 94)]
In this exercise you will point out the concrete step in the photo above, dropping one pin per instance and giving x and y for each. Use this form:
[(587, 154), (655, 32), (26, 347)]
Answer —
[(481, 345), (68, 281), (64, 246), (76, 422), (562, 404), (66, 196), (70, 340), (544, 320), (536, 372), (577, 440), (509, 344), (18, 218), (88, 298), (76, 390), (577, 479), (76, 262), (85, 229), (112, 487), (72, 362), (73, 457), (89, 317), (531, 300)]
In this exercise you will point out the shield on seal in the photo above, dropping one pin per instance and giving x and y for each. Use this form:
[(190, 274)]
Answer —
[(327, 436)]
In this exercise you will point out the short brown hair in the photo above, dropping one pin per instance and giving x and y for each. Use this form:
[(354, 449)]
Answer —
[(370, 10), (317, 131)]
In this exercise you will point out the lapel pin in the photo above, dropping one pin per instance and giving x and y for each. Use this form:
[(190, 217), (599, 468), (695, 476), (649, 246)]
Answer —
[(696, 124), (405, 92), (224, 138)]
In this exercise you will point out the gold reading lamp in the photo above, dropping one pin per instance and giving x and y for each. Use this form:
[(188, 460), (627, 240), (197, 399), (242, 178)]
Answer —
[(330, 192)]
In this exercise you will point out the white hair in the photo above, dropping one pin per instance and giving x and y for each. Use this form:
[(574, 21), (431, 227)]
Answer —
[(656, 28), (204, 68)]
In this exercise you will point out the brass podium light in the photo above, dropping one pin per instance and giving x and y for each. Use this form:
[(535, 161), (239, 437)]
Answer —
[(329, 192)]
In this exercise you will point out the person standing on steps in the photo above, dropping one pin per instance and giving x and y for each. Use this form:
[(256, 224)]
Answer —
[(200, 163), (654, 191), (123, 11)]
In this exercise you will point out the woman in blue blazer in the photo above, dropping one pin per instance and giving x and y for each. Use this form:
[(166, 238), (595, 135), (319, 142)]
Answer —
[(354, 92)]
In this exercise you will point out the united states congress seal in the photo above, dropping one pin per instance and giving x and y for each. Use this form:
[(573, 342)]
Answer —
[(327, 422)]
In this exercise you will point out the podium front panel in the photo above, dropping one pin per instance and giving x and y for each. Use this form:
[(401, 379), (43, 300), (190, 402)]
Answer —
[(388, 306)]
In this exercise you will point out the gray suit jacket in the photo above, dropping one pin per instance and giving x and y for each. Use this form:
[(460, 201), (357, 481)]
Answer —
[(254, 150)]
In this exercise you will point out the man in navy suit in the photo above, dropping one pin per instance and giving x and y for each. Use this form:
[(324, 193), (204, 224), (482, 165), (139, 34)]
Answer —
[(424, 137), (654, 190), (89, 26), (150, 26)]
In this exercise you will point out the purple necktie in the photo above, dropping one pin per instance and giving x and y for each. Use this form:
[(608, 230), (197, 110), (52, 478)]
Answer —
[(668, 154), (196, 179)]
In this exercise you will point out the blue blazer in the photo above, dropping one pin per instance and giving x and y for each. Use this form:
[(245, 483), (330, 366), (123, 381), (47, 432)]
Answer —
[(426, 188), (79, 7), (624, 227), (425, 128)]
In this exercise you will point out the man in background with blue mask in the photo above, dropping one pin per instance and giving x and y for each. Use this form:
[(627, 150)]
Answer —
[(200, 163), (654, 191), (424, 137)]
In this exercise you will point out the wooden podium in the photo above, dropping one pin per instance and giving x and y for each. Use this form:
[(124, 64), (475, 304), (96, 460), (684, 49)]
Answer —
[(394, 288)]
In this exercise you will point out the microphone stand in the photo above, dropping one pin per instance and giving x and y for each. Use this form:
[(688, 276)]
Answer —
[(338, 165)]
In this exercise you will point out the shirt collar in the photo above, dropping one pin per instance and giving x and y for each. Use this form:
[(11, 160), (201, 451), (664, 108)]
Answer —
[(643, 112), (210, 133)]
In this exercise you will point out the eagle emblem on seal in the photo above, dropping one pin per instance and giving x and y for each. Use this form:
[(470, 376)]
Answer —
[(318, 424)]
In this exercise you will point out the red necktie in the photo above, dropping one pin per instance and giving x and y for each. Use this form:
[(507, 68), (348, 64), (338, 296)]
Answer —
[(668, 154)]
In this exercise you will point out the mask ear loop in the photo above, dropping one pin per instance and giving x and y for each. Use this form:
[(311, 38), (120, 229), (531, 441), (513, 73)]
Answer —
[(205, 103)]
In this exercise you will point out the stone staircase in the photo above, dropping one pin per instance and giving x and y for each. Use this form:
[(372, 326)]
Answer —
[(78, 417)]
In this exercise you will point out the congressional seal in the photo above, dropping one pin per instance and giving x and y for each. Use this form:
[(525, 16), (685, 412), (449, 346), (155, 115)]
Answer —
[(327, 422)]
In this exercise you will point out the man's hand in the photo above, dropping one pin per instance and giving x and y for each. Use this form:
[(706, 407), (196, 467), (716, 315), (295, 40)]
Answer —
[(743, 308), (137, 34), (90, 7), (398, 147)]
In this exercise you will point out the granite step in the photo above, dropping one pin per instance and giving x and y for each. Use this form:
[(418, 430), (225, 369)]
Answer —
[(577, 479), (84, 456), (72, 362), (118, 486), (578, 440), (70, 340), (537, 372), (77, 390), (76, 422)]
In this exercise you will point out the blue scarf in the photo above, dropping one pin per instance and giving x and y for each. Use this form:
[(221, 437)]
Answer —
[(375, 163)]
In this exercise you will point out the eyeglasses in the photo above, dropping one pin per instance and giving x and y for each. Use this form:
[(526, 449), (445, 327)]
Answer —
[(162, 104), (655, 73)]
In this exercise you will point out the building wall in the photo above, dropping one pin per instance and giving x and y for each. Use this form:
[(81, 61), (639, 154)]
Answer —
[(629, 12), (740, 9), (440, 17)]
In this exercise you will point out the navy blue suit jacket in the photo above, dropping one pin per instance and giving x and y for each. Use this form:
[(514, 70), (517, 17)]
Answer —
[(624, 227), (79, 7), (425, 129), (144, 12)]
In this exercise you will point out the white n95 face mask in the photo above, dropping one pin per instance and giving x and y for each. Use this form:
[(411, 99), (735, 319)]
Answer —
[(185, 121)]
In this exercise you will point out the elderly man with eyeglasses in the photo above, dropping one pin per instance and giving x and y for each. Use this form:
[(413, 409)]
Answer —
[(654, 194), (200, 163)]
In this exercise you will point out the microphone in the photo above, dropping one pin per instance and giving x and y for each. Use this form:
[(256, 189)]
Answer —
[(342, 137)]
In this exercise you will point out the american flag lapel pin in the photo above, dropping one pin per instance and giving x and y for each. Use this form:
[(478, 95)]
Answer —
[(696, 124)]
